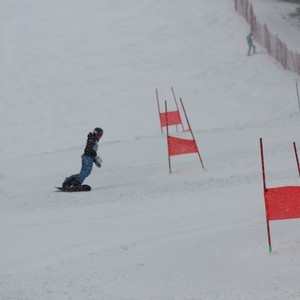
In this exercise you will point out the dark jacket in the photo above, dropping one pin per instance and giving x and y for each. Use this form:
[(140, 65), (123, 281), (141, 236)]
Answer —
[(91, 145), (249, 40)]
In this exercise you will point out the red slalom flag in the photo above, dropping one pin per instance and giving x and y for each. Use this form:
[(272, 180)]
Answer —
[(282, 202), (177, 146), (173, 118)]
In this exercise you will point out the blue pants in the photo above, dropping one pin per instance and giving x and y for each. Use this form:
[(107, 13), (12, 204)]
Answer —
[(86, 169)]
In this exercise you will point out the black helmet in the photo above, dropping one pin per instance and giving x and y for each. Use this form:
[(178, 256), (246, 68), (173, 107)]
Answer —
[(98, 132)]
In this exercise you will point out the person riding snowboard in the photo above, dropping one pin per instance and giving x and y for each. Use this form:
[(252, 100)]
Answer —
[(87, 159)]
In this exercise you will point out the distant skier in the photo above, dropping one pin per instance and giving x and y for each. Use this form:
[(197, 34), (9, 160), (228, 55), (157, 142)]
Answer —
[(251, 46), (74, 182)]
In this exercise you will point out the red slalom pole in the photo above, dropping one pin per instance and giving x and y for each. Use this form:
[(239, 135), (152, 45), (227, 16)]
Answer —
[(176, 106), (297, 160), (169, 159), (188, 122), (265, 191), (263, 164)]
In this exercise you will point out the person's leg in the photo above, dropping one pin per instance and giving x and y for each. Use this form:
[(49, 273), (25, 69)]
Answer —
[(86, 169)]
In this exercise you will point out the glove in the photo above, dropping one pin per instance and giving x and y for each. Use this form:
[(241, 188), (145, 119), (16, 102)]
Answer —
[(98, 161)]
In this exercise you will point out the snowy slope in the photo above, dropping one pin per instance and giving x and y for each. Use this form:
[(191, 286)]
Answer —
[(141, 233)]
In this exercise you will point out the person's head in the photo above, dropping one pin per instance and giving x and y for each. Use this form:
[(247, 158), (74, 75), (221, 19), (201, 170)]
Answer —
[(98, 132)]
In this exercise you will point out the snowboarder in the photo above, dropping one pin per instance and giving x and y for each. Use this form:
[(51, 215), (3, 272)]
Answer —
[(89, 157), (251, 46)]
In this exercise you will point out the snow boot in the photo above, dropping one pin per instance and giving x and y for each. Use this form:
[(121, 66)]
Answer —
[(66, 184), (75, 183)]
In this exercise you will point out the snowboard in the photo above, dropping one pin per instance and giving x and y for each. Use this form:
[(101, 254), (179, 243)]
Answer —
[(80, 188)]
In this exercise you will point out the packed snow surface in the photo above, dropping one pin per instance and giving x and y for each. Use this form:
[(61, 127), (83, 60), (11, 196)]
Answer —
[(143, 233)]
